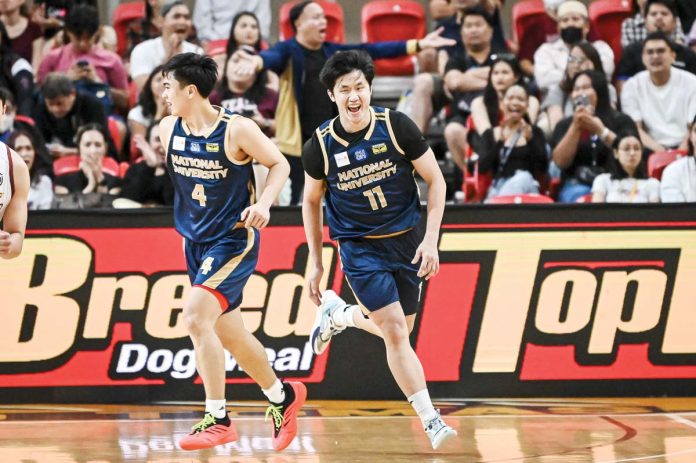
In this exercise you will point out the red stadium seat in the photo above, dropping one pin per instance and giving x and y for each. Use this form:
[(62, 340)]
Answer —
[(66, 165), (661, 159), (520, 199), (335, 28), (115, 135), (584, 198), (70, 164), (216, 47), (606, 17), (475, 184), (124, 14), (523, 13), (393, 20)]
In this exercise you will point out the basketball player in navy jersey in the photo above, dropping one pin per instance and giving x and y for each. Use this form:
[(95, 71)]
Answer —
[(361, 163), (209, 157), (14, 191)]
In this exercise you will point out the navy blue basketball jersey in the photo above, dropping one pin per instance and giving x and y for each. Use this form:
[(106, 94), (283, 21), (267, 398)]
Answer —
[(371, 189), (211, 188)]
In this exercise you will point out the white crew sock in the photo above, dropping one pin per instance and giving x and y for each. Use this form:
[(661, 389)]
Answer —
[(421, 403), (275, 393), (344, 316), (216, 407)]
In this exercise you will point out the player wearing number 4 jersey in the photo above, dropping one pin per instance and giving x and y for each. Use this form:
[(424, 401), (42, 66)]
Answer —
[(209, 157), (361, 163)]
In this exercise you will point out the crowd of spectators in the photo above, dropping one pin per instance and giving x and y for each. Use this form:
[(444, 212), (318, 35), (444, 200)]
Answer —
[(559, 113)]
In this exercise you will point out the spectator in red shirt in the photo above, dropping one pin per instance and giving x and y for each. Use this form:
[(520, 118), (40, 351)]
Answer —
[(22, 31)]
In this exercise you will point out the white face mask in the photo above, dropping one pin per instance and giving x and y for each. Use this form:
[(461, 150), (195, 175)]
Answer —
[(6, 122)]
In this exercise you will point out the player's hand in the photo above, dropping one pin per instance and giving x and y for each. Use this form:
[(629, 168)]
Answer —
[(256, 216), (313, 281), (5, 243), (430, 261)]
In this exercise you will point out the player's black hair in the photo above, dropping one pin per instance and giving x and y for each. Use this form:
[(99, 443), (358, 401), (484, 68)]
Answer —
[(193, 69), (345, 62)]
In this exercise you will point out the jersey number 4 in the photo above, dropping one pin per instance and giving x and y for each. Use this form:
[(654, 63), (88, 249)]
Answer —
[(374, 195), (198, 194)]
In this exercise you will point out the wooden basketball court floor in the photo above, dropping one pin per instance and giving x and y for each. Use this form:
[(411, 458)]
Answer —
[(504, 430)]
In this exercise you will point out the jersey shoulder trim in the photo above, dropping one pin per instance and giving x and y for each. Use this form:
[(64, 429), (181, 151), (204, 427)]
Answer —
[(229, 120), (391, 132), (325, 155)]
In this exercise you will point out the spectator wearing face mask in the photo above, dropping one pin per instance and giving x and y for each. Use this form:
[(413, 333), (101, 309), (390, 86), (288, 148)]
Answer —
[(551, 58)]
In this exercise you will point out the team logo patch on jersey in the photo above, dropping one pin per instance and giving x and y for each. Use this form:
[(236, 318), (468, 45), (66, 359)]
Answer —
[(195, 147), (212, 147), (179, 143), (342, 159), (379, 149), (360, 154)]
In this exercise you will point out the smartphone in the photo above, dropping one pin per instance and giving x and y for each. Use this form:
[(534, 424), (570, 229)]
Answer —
[(582, 100), (82, 63)]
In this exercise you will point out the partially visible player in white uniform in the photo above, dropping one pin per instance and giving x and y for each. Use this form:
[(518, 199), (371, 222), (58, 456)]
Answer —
[(14, 189)]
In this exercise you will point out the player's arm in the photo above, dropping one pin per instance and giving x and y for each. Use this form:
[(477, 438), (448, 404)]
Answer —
[(312, 216), (313, 224), (15, 218), (252, 141), (423, 159), (429, 170), (166, 127)]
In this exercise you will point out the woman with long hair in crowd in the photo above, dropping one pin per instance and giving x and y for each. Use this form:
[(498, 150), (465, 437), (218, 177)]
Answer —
[(557, 104), (582, 142), (29, 145), (150, 105), (627, 180), (92, 146), (514, 151)]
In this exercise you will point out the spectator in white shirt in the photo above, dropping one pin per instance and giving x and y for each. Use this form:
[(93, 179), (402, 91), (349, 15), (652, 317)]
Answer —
[(627, 180), (679, 178), (662, 99), (176, 26), (551, 58)]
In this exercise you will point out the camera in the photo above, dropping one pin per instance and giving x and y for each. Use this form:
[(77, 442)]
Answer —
[(582, 100)]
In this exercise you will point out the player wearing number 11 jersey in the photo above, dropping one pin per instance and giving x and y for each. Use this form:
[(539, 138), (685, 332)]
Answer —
[(209, 157), (362, 164)]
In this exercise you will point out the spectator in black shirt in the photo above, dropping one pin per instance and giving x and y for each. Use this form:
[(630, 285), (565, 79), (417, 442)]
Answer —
[(466, 76), (582, 142), (62, 110), (16, 75)]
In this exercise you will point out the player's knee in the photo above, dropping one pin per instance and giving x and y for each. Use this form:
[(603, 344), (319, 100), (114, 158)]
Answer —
[(195, 325), (394, 332)]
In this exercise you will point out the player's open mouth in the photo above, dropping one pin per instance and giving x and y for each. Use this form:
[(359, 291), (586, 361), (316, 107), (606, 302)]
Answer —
[(354, 109)]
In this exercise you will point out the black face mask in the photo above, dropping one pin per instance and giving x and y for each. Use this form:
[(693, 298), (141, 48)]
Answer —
[(571, 35)]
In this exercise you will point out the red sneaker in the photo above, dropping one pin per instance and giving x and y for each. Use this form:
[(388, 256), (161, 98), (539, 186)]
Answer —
[(209, 432), (285, 415)]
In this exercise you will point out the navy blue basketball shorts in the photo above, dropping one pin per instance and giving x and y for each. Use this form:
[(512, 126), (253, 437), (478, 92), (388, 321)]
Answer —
[(380, 272), (223, 267)]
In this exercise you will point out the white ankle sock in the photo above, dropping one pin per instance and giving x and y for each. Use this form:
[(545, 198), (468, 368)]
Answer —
[(344, 317), (421, 403), (216, 407), (275, 393)]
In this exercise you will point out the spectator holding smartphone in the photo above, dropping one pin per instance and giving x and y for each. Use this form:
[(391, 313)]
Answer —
[(582, 143)]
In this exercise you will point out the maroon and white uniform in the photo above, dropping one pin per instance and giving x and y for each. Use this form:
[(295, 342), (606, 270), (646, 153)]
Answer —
[(6, 178)]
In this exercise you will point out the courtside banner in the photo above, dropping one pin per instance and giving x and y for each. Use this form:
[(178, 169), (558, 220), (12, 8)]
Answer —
[(530, 300)]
